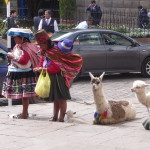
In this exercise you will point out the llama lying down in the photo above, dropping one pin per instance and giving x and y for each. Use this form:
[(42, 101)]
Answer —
[(72, 119), (109, 112)]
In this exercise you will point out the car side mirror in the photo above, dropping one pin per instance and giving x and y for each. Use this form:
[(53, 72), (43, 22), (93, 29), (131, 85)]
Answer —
[(134, 44)]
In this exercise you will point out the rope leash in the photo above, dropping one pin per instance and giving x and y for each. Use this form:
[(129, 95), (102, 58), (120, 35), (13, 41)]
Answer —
[(84, 102)]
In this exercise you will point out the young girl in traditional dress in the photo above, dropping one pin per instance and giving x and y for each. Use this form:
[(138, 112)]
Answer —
[(59, 72)]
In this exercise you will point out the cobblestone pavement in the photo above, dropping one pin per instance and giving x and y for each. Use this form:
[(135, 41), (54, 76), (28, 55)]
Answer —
[(116, 87), (37, 133)]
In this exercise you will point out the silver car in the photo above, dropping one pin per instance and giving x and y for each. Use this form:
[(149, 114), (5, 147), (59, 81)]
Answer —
[(107, 50)]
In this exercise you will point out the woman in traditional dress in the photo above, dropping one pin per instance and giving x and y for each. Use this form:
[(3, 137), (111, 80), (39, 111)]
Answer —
[(62, 67), (20, 80)]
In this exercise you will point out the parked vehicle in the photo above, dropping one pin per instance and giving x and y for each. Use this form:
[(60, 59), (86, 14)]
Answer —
[(3, 64), (107, 50)]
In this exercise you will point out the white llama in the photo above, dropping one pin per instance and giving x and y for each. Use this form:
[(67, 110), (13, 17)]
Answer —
[(109, 112), (139, 87), (72, 119)]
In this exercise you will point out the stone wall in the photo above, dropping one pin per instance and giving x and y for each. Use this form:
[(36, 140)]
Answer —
[(143, 40), (124, 5), (13, 4)]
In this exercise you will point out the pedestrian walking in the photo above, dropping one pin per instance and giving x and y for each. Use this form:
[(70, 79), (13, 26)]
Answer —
[(143, 19), (20, 80), (85, 24), (38, 18), (48, 23), (56, 60), (13, 24), (95, 11)]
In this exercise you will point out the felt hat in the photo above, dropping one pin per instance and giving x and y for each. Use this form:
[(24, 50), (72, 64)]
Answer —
[(42, 36), (65, 45)]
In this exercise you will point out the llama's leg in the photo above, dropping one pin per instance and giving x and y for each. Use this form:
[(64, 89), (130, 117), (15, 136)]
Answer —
[(95, 122)]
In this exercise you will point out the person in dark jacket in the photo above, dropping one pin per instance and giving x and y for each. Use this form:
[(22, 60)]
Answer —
[(143, 17), (48, 23), (12, 24), (37, 19), (96, 12), (13, 16)]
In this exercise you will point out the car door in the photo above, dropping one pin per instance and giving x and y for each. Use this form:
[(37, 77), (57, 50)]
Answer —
[(3, 67), (121, 54), (89, 46)]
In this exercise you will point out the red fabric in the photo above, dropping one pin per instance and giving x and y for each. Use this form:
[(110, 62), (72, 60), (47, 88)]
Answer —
[(52, 69), (24, 59), (70, 64), (32, 50), (42, 39)]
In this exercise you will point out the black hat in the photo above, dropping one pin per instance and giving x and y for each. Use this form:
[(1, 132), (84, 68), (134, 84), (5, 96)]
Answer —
[(93, 1), (140, 7)]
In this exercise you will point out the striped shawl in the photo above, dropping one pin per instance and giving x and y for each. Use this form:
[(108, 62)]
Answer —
[(70, 64)]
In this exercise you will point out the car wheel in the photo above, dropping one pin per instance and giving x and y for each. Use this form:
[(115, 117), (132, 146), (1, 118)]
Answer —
[(146, 68)]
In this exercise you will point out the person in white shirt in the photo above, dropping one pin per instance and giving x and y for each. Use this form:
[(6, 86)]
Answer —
[(85, 24), (48, 23)]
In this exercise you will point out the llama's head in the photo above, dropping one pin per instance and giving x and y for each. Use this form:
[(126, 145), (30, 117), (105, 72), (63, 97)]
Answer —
[(139, 86), (70, 114), (96, 81)]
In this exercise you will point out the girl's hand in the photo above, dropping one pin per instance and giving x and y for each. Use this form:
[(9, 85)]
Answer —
[(41, 52)]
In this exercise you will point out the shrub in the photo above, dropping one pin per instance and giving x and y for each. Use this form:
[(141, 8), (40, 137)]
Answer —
[(67, 9)]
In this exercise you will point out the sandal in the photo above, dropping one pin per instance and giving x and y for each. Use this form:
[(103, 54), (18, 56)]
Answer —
[(21, 116), (61, 120), (53, 119)]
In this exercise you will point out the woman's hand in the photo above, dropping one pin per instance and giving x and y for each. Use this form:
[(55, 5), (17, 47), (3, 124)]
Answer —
[(37, 69), (10, 56)]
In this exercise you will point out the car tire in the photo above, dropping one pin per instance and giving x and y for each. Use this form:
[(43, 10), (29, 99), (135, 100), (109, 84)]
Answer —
[(145, 70)]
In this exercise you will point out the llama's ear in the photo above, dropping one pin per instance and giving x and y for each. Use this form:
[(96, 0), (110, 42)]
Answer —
[(91, 75), (101, 76)]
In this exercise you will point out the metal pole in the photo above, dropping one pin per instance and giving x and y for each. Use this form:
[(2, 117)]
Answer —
[(8, 19), (8, 40)]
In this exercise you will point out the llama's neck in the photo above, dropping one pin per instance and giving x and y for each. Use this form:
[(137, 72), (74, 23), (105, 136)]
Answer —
[(100, 100), (142, 97)]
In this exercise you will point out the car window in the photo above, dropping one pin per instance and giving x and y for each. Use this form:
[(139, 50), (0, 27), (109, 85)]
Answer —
[(60, 36), (88, 39), (3, 57), (114, 39)]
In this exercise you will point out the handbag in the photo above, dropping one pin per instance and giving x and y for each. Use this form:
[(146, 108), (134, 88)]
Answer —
[(43, 84)]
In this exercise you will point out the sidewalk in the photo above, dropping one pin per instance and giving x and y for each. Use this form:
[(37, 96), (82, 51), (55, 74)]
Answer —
[(37, 133)]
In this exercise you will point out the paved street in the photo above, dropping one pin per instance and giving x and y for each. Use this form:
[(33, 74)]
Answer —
[(116, 87), (38, 133)]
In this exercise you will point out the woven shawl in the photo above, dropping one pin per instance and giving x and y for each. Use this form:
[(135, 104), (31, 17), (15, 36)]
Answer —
[(32, 50), (70, 64)]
